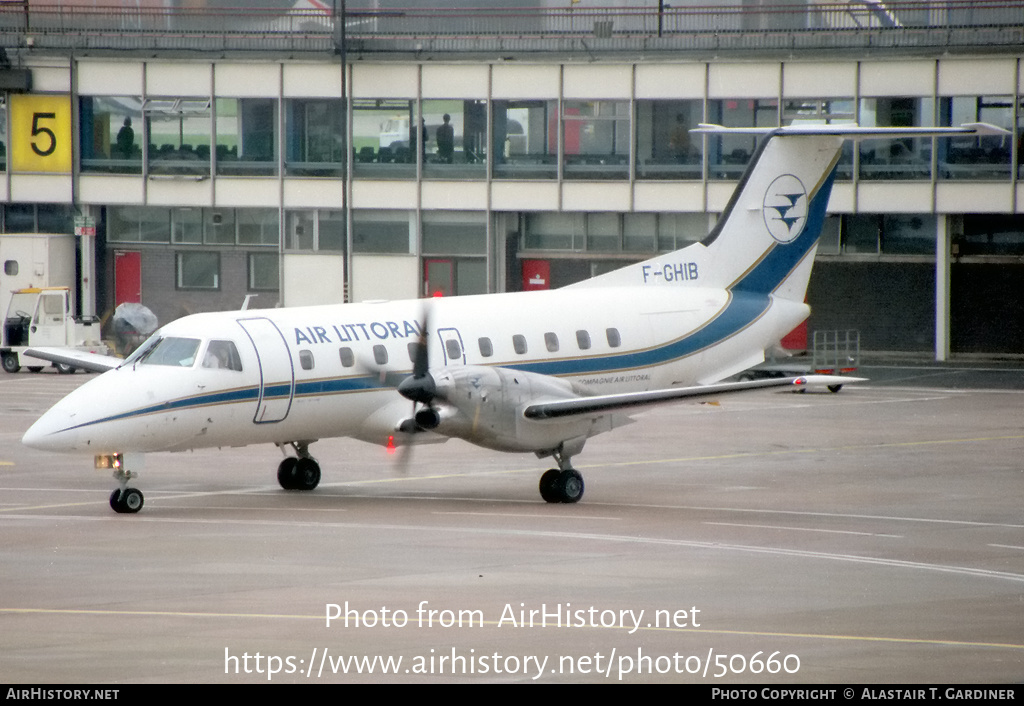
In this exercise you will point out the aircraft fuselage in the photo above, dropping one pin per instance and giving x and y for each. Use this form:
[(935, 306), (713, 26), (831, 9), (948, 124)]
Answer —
[(317, 372)]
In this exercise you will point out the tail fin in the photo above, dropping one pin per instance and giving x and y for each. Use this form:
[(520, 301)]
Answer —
[(774, 219), (767, 235)]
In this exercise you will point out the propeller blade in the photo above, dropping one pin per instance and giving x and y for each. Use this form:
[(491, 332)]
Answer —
[(420, 386), (404, 458), (421, 360)]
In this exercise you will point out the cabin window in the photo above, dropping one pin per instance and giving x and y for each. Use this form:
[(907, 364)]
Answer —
[(380, 354), (348, 358), (222, 355), (486, 349), (583, 339), (413, 347), (613, 337), (551, 342), (306, 359), (519, 343), (453, 349)]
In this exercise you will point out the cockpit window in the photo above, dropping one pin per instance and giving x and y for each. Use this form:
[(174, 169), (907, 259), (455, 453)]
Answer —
[(222, 355), (169, 351), (143, 350)]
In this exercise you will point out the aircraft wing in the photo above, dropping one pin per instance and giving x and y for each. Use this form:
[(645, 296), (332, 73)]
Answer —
[(610, 403), (93, 362)]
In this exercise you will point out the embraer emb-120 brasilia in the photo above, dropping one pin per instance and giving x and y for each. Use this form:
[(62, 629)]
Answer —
[(537, 372)]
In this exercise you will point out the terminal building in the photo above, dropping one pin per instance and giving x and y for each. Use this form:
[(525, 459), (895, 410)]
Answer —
[(316, 153)]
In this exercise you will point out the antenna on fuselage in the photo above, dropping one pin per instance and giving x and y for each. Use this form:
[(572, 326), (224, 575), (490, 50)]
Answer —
[(248, 298)]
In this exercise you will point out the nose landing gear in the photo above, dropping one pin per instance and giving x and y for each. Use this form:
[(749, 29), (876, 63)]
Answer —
[(125, 500)]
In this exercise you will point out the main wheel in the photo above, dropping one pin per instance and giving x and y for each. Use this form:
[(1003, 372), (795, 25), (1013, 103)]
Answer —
[(307, 474), (64, 368), (288, 473), (570, 486), (548, 481)]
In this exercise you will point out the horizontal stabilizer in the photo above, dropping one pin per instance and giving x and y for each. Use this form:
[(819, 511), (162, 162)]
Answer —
[(582, 406), (93, 362)]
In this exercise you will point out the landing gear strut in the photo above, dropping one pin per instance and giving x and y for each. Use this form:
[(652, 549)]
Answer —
[(563, 484), (302, 473), (125, 500)]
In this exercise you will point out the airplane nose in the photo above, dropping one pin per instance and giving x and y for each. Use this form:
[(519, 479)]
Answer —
[(50, 433)]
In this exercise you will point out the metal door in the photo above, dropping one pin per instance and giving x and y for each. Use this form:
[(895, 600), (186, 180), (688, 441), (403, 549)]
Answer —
[(127, 277), (277, 373)]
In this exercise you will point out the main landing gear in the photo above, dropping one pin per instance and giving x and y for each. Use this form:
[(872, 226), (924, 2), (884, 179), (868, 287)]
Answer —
[(125, 500), (302, 473), (563, 484)]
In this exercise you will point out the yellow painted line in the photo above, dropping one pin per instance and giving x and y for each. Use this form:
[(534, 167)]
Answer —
[(701, 631)]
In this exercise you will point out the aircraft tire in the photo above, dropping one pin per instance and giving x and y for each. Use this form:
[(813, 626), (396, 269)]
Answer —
[(548, 483), (288, 473), (132, 500), (307, 474), (570, 486), (835, 388), (129, 502), (64, 368)]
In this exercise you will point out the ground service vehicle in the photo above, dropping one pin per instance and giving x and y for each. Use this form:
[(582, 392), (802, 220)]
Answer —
[(41, 316)]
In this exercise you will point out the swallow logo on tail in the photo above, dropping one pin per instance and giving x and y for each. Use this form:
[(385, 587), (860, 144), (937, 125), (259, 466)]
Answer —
[(785, 208)]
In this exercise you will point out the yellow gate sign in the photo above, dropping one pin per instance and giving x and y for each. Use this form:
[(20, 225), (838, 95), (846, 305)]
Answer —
[(40, 139)]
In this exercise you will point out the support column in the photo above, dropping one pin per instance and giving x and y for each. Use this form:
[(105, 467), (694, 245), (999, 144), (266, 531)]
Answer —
[(943, 254), (85, 233)]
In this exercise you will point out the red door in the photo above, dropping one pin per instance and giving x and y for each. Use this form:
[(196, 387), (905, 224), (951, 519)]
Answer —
[(439, 278), (127, 277)]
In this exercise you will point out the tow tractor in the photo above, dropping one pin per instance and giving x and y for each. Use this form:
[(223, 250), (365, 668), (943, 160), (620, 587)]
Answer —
[(41, 316)]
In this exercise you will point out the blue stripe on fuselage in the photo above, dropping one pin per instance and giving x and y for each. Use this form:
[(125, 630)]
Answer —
[(742, 310)]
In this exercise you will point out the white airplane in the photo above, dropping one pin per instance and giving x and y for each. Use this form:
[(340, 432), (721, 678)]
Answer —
[(536, 372)]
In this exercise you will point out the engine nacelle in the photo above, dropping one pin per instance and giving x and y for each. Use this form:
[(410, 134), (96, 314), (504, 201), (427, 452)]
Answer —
[(484, 405), (428, 418)]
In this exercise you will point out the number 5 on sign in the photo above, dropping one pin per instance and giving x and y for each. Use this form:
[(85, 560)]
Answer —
[(40, 138)]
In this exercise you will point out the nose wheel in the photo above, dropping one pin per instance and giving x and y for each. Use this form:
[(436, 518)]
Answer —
[(126, 500)]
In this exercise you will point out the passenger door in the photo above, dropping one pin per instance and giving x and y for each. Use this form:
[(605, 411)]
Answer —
[(277, 371)]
